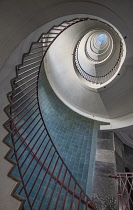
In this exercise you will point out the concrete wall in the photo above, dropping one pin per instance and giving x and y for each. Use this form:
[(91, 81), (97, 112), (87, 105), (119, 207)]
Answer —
[(124, 155), (105, 188), (119, 154)]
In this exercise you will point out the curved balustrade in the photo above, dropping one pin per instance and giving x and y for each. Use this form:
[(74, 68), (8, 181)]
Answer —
[(97, 79), (44, 180), (125, 190)]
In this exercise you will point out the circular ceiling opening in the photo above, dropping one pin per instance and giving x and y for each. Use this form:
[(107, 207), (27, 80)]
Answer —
[(101, 39), (99, 46), (99, 54)]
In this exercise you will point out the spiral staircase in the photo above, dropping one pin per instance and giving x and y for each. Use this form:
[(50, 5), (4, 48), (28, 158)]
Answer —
[(44, 180)]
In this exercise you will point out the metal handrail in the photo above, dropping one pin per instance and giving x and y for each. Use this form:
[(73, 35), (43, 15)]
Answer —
[(20, 122), (97, 79), (125, 190)]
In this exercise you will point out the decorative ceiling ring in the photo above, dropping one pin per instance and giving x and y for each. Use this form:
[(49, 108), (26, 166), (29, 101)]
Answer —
[(98, 53), (96, 42), (97, 47)]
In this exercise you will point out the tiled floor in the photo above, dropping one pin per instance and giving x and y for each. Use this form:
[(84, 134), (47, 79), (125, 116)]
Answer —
[(72, 136), (70, 132)]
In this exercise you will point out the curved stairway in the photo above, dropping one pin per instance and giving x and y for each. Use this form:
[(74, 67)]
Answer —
[(44, 180)]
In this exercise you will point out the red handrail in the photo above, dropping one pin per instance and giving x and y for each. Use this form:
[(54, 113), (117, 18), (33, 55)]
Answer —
[(125, 190), (23, 115)]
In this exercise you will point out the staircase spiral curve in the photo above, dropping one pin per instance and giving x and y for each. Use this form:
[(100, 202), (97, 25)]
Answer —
[(44, 180)]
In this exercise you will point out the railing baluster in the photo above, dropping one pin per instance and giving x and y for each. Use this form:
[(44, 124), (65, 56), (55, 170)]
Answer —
[(25, 83), (34, 154), (60, 189), (54, 186), (30, 64), (35, 127), (28, 70), (48, 183), (125, 198), (20, 92), (24, 115), (30, 59), (95, 79), (23, 131), (43, 178), (34, 53), (18, 100), (25, 122), (63, 206), (40, 168), (20, 80), (14, 117), (86, 204), (79, 200), (20, 136), (35, 98), (36, 163), (73, 196)]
